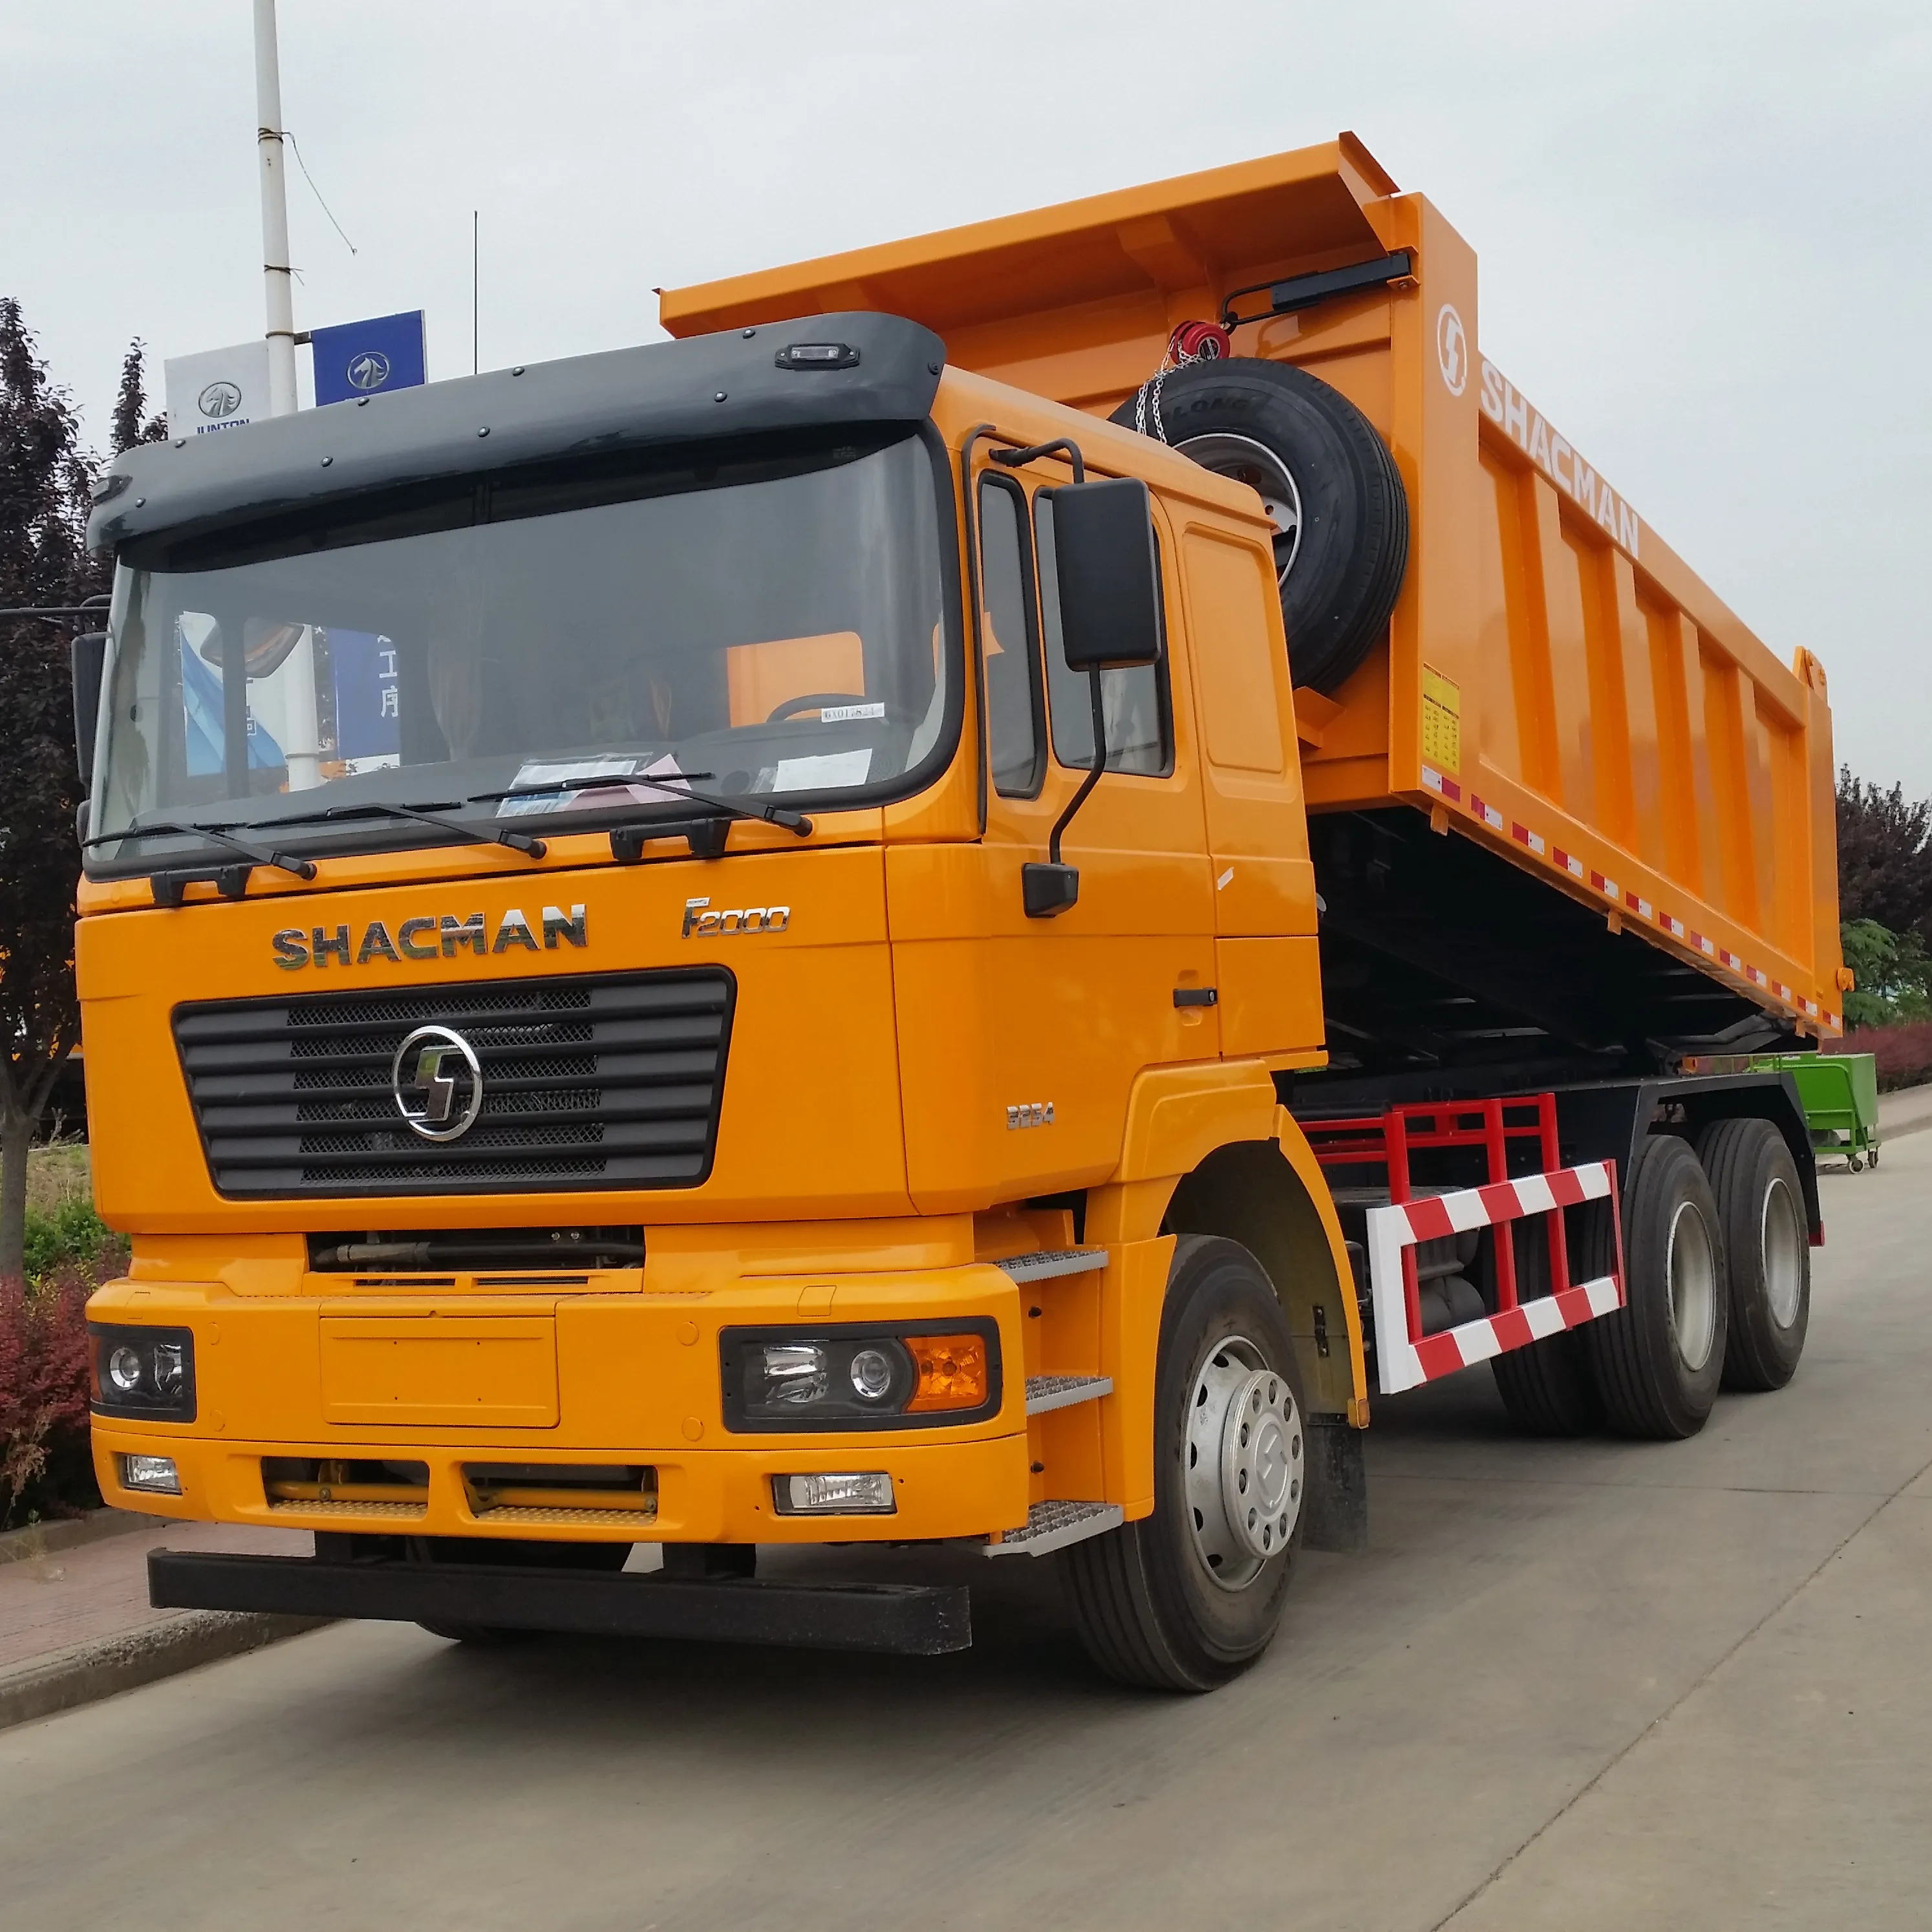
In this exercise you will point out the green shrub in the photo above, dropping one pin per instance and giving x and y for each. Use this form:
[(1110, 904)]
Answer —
[(1893, 972), (71, 1233)]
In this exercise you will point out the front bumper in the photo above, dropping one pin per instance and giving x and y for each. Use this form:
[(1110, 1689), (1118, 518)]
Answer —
[(629, 1378)]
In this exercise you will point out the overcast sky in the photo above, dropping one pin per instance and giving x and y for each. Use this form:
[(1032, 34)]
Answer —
[(1701, 226)]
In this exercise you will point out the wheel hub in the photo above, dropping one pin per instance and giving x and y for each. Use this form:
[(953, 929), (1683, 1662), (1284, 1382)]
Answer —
[(1783, 1248), (1694, 1288), (1245, 1463), (1245, 461)]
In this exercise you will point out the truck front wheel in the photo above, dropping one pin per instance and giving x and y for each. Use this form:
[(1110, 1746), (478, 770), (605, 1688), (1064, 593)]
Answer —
[(1190, 1596)]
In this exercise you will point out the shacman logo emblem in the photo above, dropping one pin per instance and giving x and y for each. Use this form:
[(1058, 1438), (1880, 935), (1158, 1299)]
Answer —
[(438, 1083), (219, 400), (1452, 349)]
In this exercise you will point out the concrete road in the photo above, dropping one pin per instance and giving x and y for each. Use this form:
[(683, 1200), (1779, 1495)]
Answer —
[(1595, 1685)]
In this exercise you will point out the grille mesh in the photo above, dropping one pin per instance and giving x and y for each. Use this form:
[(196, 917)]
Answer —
[(293, 1096)]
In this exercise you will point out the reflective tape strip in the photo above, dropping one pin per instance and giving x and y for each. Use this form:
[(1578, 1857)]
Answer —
[(1402, 1363)]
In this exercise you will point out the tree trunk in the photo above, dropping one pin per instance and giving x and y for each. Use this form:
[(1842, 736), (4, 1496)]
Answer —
[(16, 1134)]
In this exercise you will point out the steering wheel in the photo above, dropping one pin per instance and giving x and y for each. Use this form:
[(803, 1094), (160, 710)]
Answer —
[(815, 701)]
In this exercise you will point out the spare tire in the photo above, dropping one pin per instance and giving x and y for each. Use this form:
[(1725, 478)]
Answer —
[(1330, 485)]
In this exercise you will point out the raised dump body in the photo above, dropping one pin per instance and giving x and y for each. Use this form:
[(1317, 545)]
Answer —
[(1556, 685)]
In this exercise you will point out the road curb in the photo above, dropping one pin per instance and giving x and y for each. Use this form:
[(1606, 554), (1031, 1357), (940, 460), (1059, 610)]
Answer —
[(58, 1533), (88, 1672)]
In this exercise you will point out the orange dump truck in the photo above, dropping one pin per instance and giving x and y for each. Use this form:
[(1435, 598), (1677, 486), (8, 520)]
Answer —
[(967, 908)]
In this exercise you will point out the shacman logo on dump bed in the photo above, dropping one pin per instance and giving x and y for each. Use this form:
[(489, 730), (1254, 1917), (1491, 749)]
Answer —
[(1507, 407), (433, 936)]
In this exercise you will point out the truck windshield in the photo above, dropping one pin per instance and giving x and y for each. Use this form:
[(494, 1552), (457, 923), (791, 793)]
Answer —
[(772, 625)]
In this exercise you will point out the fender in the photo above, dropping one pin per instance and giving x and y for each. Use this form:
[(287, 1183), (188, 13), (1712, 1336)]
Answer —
[(1209, 1149)]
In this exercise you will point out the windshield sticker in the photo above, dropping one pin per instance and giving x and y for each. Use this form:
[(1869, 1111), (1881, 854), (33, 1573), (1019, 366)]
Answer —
[(840, 714), (601, 784), (822, 773)]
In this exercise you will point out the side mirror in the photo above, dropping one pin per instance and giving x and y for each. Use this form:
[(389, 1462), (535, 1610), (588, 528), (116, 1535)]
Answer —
[(1109, 583), (87, 659), (1109, 580)]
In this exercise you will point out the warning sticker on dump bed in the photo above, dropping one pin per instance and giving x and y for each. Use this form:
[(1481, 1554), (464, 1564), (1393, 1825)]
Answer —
[(1441, 720)]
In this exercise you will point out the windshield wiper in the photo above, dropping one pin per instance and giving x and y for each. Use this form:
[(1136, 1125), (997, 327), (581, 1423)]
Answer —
[(168, 883), (422, 815), (705, 836)]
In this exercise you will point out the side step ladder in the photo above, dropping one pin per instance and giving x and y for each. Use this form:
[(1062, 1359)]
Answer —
[(1053, 1525)]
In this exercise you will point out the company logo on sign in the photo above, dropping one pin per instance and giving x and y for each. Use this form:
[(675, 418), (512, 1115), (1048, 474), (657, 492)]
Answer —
[(430, 936), (1452, 349), (438, 1083), (368, 371), (219, 400)]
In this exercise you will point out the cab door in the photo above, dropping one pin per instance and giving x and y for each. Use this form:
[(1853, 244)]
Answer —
[(1021, 1039)]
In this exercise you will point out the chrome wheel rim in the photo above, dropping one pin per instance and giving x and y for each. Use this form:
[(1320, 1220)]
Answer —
[(1245, 1466), (1782, 1245), (1245, 461), (1693, 1267)]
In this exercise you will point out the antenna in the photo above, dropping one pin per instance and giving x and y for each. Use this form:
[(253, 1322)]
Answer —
[(476, 353)]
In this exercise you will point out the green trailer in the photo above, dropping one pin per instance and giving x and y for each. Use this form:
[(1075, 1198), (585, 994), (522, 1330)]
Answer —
[(1840, 1094)]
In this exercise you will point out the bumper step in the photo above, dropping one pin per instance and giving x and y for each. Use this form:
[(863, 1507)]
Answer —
[(1050, 1265), (1053, 1525), (1046, 1392), (916, 1620)]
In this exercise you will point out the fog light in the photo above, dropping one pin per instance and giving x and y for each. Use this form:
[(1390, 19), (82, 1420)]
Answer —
[(864, 1492), (124, 1371), (155, 1473)]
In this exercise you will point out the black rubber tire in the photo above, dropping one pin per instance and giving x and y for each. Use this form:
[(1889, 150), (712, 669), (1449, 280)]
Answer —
[(1148, 1610), (1747, 1161), (1346, 576), (1547, 1387), (605, 1557), (1649, 1390)]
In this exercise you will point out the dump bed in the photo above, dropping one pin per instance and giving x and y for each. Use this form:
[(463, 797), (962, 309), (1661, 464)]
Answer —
[(1557, 686)]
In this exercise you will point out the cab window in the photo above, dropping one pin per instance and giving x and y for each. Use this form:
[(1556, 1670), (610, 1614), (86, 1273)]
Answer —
[(1009, 641)]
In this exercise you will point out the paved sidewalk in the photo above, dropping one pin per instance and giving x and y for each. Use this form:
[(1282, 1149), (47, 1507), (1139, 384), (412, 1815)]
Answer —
[(100, 1591)]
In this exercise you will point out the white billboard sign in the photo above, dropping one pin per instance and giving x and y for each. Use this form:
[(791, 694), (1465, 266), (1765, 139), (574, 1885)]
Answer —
[(219, 388)]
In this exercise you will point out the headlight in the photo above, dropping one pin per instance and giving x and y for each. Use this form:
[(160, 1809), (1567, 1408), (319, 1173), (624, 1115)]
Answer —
[(143, 1372), (857, 1376)]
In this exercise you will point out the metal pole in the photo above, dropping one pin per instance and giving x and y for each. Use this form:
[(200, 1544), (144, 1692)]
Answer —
[(274, 214), (302, 745)]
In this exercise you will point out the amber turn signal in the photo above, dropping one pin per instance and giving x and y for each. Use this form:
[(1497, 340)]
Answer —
[(952, 1370)]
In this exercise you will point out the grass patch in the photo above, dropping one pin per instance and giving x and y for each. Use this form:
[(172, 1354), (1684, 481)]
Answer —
[(63, 1230)]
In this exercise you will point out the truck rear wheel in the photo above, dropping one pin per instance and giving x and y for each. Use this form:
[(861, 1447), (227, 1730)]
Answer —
[(1767, 1250), (1547, 1387), (1190, 1596), (1659, 1359), (1330, 485)]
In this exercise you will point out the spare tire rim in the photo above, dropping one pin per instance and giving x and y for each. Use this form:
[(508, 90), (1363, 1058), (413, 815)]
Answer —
[(1782, 1247), (1245, 461), (1245, 1466), (1693, 1270)]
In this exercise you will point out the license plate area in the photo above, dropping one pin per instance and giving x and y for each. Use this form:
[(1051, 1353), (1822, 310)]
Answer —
[(440, 1371)]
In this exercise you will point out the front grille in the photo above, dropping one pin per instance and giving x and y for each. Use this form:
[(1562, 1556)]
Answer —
[(602, 1081)]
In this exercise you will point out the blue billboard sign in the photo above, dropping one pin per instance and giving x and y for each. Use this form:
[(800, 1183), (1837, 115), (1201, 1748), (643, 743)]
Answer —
[(363, 358), (368, 716)]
